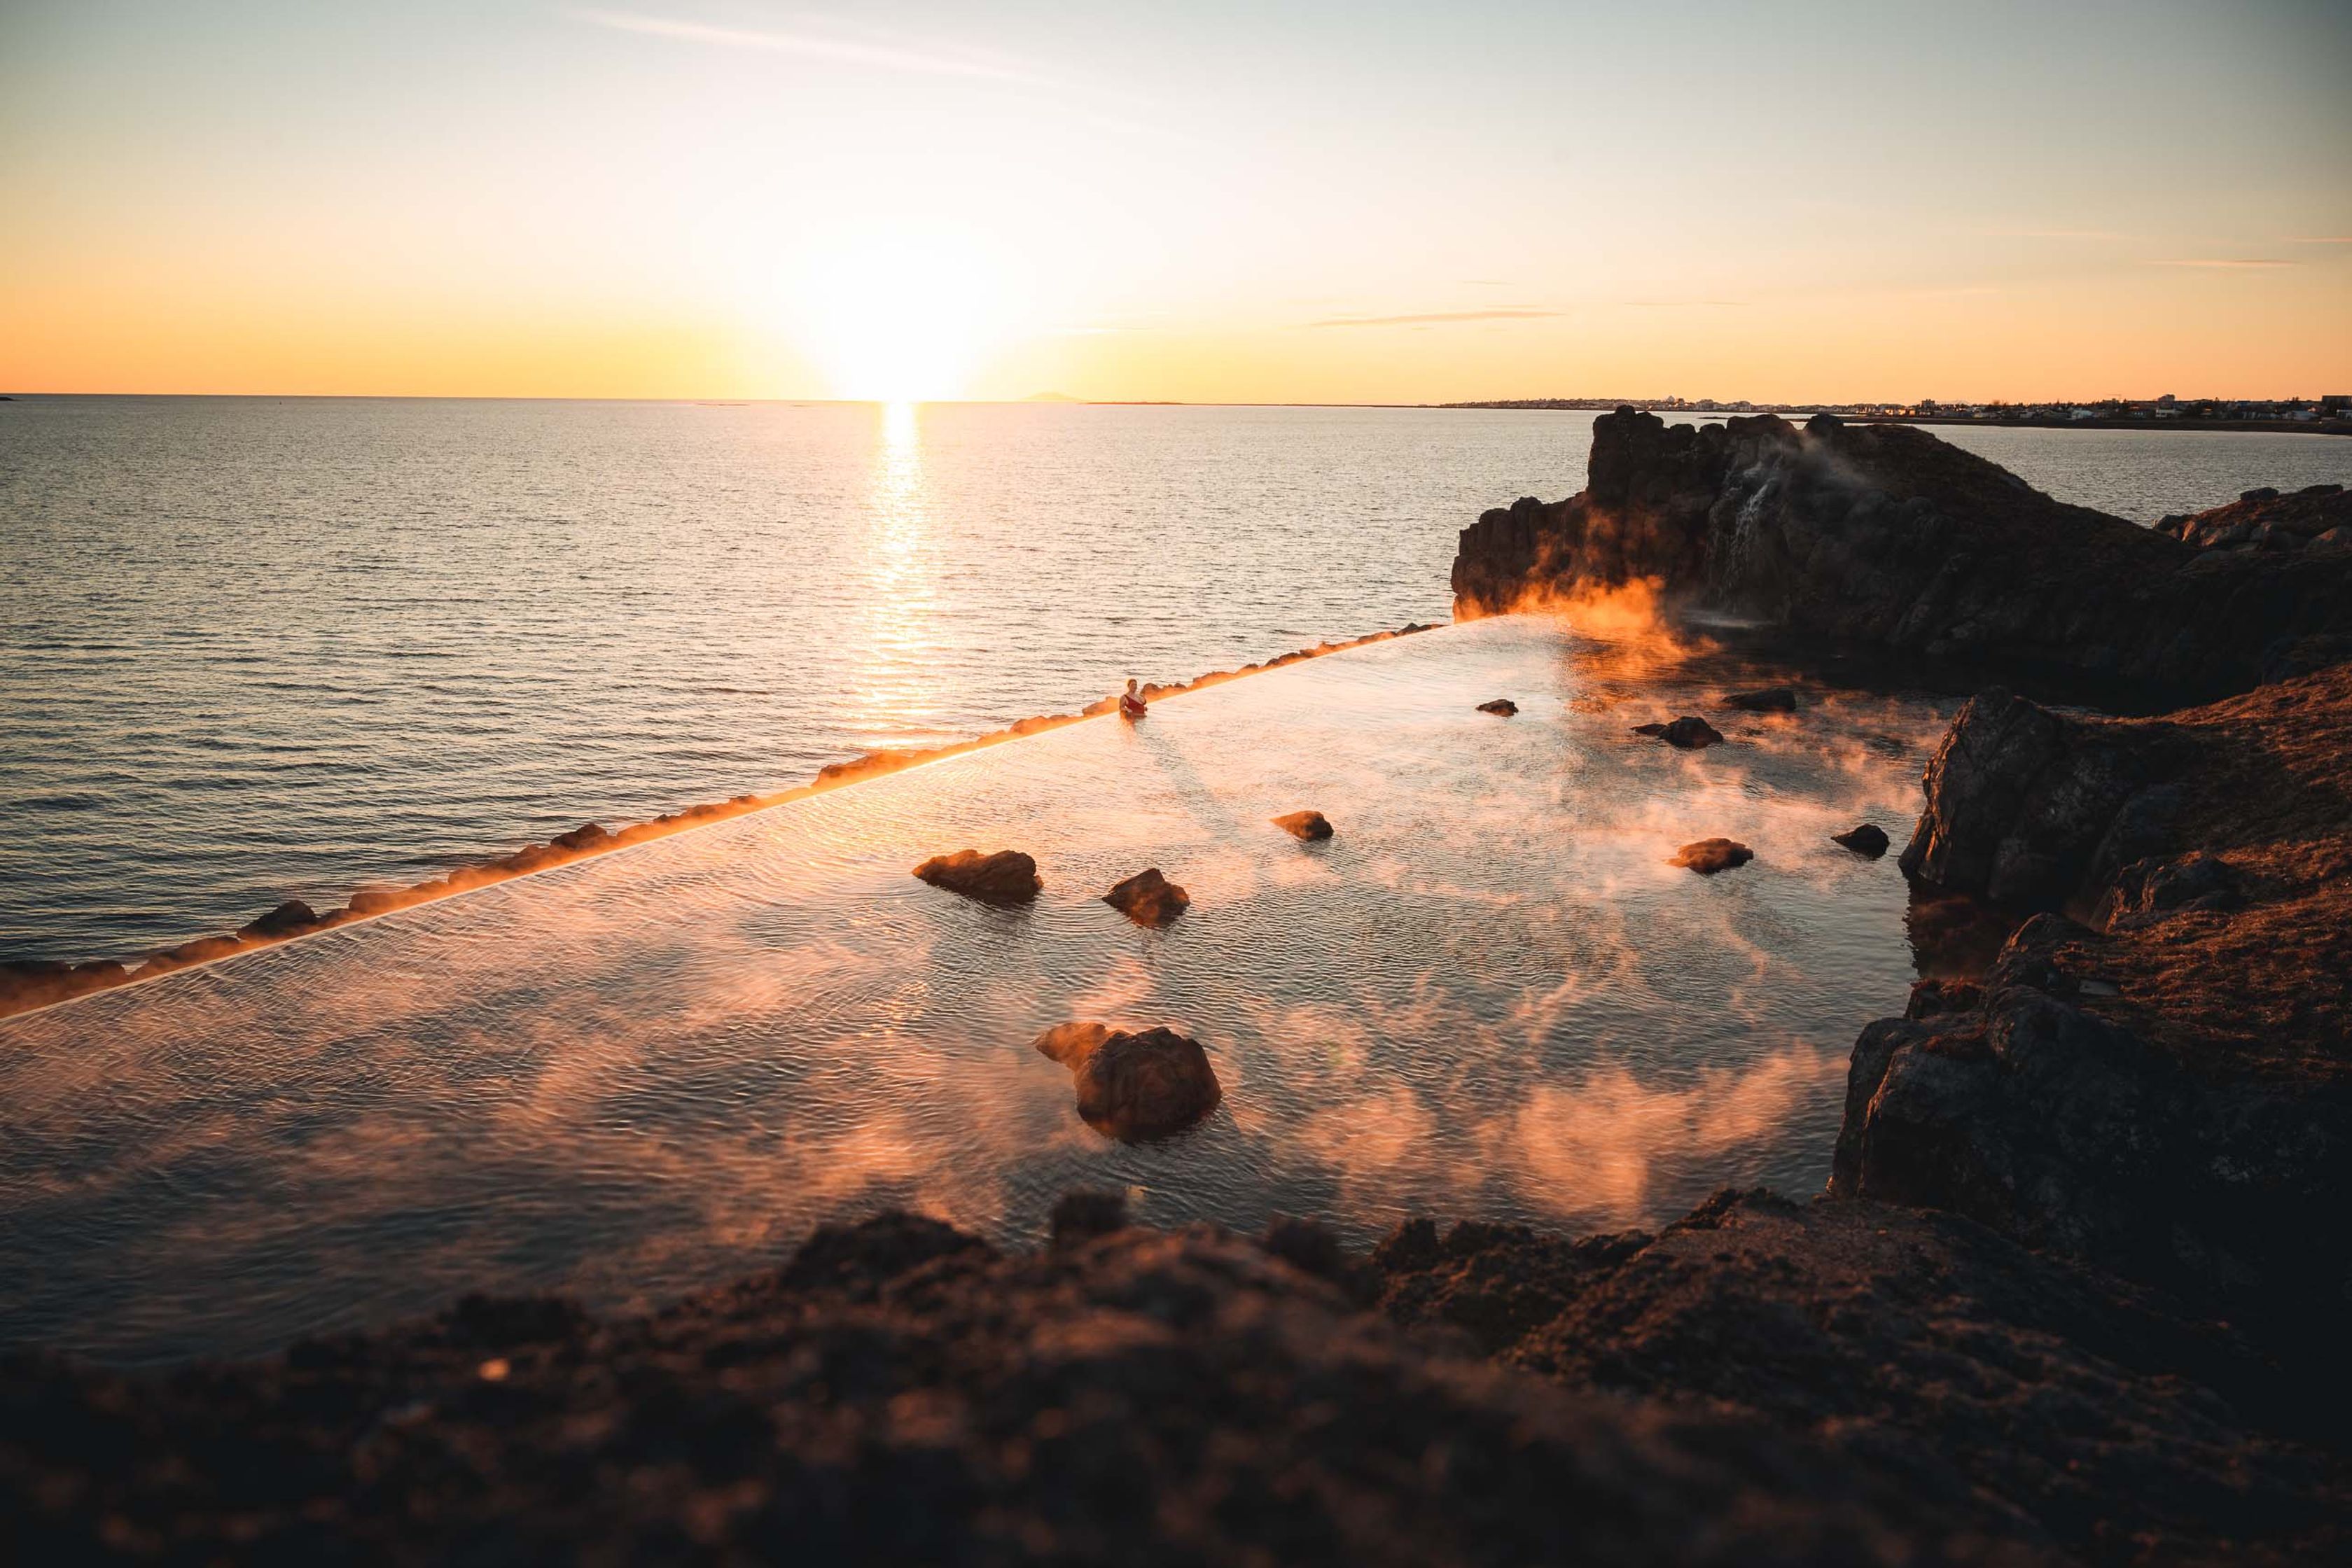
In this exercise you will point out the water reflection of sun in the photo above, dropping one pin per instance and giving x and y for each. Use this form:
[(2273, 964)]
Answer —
[(895, 682)]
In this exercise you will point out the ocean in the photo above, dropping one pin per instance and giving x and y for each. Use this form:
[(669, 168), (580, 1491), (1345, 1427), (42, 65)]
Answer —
[(258, 649)]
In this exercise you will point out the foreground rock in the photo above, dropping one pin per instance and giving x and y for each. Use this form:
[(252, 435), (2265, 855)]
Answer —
[(1709, 856), (1304, 826), (1501, 707), (1008, 876), (1149, 898), (1883, 535), (2168, 1089), (1843, 1383), (1134, 1086), (1684, 734)]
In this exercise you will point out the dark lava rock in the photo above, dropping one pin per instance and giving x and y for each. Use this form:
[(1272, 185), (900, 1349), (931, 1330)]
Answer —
[(1149, 898), (1304, 825), (901, 1392), (2020, 800), (588, 836), (2150, 890), (1883, 535), (1711, 855), (1685, 734), (283, 921), (1008, 876), (1501, 707), (1771, 699), (1932, 998), (1869, 839), (2104, 1416), (1134, 1086)]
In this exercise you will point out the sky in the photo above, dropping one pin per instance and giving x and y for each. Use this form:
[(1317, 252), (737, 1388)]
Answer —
[(1206, 202)]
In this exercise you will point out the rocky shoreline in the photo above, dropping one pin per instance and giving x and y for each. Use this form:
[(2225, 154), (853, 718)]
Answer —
[(27, 984), (2073, 1294)]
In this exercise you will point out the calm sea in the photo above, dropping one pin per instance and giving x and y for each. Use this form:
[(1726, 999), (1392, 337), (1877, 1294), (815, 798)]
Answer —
[(259, 649)]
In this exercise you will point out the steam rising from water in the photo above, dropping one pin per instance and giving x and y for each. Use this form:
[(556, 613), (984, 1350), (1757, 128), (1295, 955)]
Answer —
[(1489, 995)]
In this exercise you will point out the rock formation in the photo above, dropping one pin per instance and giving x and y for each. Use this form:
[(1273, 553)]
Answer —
[(2265, 519), (1709, 856), (1869, 840), (1138, 1085), (1685, 734), (1304, 825), (1501, 707), (1883, 535), (2167, 1088), (1149, 898), (1007, 876)]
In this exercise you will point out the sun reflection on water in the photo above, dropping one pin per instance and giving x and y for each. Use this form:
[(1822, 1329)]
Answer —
[(895, 647)]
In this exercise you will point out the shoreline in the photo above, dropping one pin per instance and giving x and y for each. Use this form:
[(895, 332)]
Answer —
[(28, 986)]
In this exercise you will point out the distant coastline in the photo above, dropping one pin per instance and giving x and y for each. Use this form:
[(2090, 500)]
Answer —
[(1667, 409)]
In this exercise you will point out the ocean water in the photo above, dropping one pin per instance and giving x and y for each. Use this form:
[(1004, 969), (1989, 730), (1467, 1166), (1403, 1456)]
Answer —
[(1489, 995), (254, 649)]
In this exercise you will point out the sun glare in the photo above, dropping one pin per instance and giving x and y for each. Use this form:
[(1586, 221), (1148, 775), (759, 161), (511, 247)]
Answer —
[(901, 316)]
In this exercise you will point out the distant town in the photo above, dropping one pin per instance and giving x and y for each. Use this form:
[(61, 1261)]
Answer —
[(2330, 414)]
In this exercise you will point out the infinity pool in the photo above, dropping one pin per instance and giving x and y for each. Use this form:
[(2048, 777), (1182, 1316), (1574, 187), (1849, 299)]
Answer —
[(1489, 995)]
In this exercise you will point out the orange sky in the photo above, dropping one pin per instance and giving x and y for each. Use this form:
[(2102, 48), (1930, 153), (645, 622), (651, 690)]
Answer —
[(1375, 204)]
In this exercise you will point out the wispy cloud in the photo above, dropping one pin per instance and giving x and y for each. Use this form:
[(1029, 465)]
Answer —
[(1431, 317), (2228, 261), (2103, 234), (814, 44)]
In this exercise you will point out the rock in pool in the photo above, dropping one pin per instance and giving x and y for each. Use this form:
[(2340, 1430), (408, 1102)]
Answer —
[(1711, 855), (1304, 825), (1149, 898), (1134, 1085), (1869, 840), (283, 921), (1771, 699), (1686, 734), (1501, 707), (1008, 876)]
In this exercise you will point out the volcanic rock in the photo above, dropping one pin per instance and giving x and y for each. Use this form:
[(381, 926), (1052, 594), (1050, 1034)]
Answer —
[(1501, 707), (1883, 535), (1711, 855), (1008, 876), (1869, 840), (2171, 1095), (1134, 1086), (1771, 699), (1684, 734), (1149, 898), (1304, 825)]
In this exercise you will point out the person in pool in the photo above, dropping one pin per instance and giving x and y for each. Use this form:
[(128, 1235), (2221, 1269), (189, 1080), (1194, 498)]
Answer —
[(1130, 702)]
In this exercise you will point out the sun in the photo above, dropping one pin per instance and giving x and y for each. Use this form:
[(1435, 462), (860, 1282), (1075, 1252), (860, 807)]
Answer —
[(900, 314)]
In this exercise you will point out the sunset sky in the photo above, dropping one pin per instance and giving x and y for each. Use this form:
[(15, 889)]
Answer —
[(1366, 202)]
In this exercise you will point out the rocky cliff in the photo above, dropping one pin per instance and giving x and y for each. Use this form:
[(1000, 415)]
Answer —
[(2160, 1076), (1883, 535)]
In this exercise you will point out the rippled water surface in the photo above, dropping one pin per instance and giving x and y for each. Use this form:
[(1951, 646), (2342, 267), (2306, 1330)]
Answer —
[(1488, 994), (254, 649)]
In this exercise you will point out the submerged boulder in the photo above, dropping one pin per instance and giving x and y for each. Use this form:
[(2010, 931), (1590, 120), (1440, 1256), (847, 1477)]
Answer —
[(1008, 876), (1708, 856), (1868, 839), (1304, 825), (1501, 707), (1771, 699), (1686, 734), (1134, 1085), (1149, 898)]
